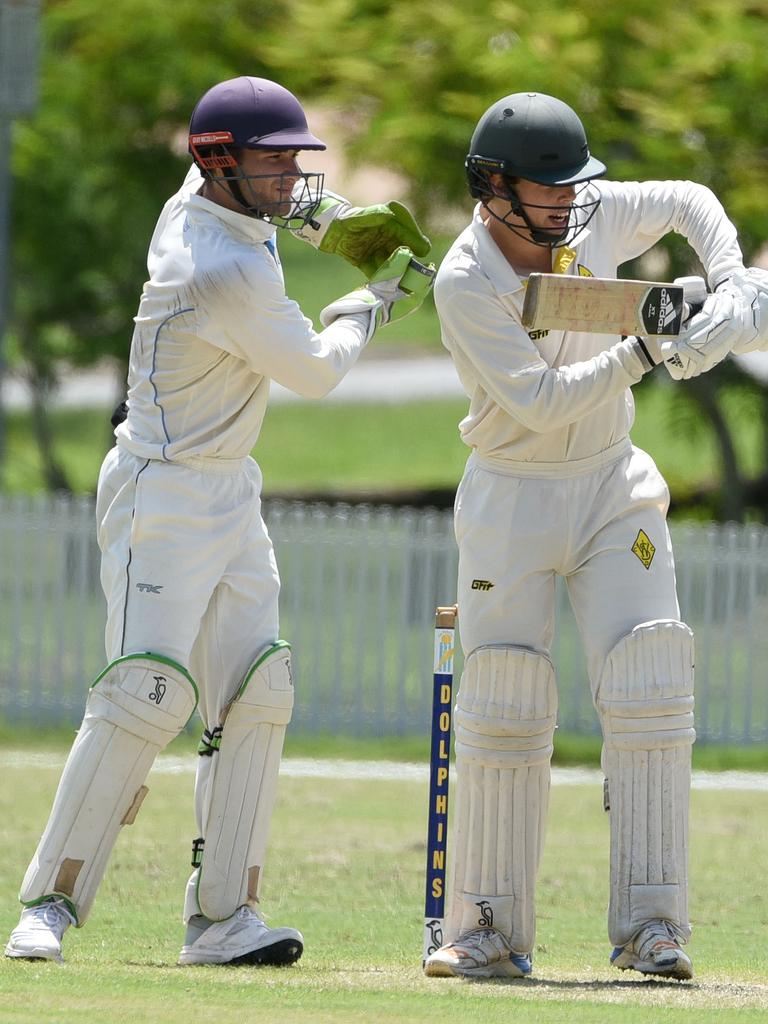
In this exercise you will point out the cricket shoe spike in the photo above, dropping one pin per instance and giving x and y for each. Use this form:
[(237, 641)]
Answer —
[(655, 950), (38, 934), (242, 938), (481, 953)]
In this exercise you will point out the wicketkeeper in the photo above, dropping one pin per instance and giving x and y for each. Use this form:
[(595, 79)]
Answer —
[(188, 568), (554, 487)]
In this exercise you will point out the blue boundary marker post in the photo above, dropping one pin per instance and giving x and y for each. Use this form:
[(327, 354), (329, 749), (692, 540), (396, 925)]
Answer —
[(439, 767)]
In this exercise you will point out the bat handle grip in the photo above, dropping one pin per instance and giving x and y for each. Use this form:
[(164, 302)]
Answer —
[(694, 295), (691, 309)]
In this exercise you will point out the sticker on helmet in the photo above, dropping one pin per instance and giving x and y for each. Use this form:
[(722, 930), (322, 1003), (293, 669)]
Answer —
[(209, 161)]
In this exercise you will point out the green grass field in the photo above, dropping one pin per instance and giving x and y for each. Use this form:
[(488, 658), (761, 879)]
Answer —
[(311, 447), (346, 866)]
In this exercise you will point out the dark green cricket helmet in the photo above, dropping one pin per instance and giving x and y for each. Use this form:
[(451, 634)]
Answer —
[(533, 136)]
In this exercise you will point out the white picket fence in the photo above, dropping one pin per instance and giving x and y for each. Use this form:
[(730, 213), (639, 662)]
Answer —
[(360, 585)]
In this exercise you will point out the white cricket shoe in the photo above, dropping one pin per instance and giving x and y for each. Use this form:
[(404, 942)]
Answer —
[(655, 950), (38, 934), (242, 938), (481, 953)]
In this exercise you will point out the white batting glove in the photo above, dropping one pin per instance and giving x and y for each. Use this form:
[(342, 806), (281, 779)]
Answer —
[(727, 318), (758, 279)]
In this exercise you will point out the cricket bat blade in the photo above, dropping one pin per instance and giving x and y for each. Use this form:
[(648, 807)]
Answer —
[(603, 305)]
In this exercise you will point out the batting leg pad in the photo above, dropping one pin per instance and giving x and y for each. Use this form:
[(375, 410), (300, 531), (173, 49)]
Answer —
[(242, 787), (645, 702), (134, 709), (504, 728)]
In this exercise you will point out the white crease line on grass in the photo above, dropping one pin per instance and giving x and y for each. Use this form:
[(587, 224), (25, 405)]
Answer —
[(389, 771)]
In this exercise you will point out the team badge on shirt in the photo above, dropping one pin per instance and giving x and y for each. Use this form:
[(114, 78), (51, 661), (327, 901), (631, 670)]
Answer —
[(561, 265), (643, 548)]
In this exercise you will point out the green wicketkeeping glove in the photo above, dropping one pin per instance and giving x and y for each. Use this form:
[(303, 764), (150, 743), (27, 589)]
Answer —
[(397, 288), (402, 284), (365, 236)]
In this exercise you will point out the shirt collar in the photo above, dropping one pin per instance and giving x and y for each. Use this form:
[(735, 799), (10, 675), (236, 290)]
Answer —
[(241, 226), (495, 264), (490, 257)]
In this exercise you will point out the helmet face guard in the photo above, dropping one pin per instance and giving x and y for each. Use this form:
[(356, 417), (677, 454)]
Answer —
[(214, 151), (581, 213)]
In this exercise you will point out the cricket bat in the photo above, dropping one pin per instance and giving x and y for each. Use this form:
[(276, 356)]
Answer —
[(610, 306)]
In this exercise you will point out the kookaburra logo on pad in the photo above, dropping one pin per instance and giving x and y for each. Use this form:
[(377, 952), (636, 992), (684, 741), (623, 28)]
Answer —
[(159, 691), (486, 913), (435, 935)]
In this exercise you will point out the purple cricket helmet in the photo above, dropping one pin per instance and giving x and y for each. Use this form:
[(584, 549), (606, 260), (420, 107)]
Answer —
[(253, 113)]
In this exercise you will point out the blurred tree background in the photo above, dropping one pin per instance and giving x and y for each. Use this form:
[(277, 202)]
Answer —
[(664, 92)]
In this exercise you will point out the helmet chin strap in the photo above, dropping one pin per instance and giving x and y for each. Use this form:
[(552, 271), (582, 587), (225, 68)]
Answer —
[(530, 233), (237, 194), (234, 184), (311, 195), (538, 235), (231, 184)]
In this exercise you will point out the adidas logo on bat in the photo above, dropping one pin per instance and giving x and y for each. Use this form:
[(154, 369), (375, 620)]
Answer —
[(667, 311), (661, 312)]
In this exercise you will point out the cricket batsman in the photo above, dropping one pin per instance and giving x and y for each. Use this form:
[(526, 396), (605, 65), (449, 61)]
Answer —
[(188, 568), (554, 487)]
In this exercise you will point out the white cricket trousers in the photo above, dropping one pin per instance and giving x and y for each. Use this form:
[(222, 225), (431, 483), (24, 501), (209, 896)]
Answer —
[(188, 568), (602, 528)]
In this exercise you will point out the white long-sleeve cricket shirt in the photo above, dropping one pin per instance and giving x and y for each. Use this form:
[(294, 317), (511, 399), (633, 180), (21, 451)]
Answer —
[(559, 397), (214, 326)]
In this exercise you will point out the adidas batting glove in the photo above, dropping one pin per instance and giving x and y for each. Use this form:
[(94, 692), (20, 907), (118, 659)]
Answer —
[(727, 318)]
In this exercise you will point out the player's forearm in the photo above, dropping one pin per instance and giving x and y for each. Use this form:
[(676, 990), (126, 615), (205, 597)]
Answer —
[(636, 215), (315, 371), (701, 219), (545, 398), (713, 238)]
